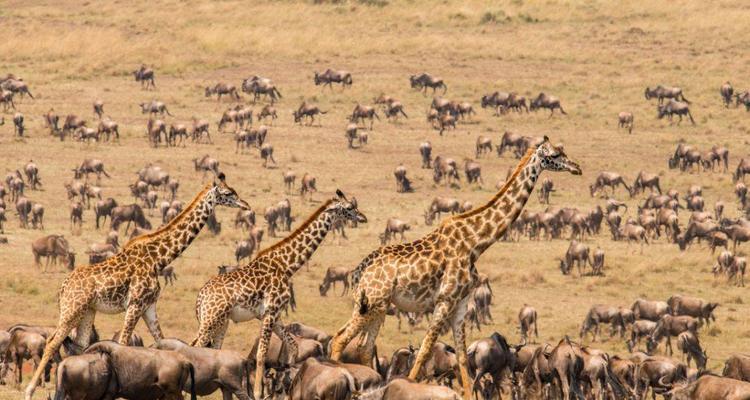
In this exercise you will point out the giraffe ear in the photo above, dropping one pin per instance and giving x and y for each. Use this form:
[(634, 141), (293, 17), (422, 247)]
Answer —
[(546, 139)]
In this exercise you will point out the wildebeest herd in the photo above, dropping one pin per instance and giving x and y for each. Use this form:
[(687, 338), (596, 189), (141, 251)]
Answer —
[(431, 279)]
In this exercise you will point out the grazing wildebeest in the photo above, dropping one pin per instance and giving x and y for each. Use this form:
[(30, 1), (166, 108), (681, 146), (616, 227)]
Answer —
[(403, 184), (206, 164), (441, 205), (446, 121), (717, 155), (229, 116), (267, 112), (445, 168), (261, 86), (597, 262), (329, 77), (425, 80), (16, 86), (129, 213), (665, 92), (669, 325), (154, 107), (645, 180), (691, 349), (641, 328), (221, 89), (577, 253), (692, 306), (392, 227), (727, 92), (674, 107), (544, 100), (611, 179), (333, 275), (307, 111), (215, 369), (711, 387), (145, 76), (526, 318), (393, 109), (360, 113), (52, 247), (603, 314), (737, 366), (625, 120), (659, 374), (473, 171), (147, 373)]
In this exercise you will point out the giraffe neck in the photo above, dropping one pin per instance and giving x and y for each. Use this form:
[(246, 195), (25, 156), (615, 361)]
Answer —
[(169, 241), (487, 224), (300, 246)]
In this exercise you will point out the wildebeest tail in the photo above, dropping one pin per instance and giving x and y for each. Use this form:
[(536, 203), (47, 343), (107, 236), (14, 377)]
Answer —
[(191, 370), (277, 92)]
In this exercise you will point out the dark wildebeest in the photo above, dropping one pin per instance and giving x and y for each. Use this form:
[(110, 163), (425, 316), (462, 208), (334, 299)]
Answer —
[(319, 380), (692, 306), (307, 111), (645, 180), (602, 314), (669, 325), (490, 356), (425, 149), (145, 76), (108, 128), (18, 126), (743, 168), (665, 92), (53, 247), (567, 366), (16, 86), (154, 107), (659, 374), (441, 205), (261, 86), (727, 92), (329, 77), (90, 166), (650, 310), (333, 275), (129, 213), (674, 107), (99, 108), (84, 377), (425, 80), (360, 113), (577, 253), (26, 343), (691, 349), (147, 373), (544, 100)]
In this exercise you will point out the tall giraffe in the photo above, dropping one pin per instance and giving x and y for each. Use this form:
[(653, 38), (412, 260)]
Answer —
[(128, 282), (261, 289), (437, 272)]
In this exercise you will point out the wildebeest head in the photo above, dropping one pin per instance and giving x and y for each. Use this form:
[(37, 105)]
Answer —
[(318, 80)]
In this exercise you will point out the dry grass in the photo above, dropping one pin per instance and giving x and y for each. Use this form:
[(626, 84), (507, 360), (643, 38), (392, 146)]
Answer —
[(596, 56)]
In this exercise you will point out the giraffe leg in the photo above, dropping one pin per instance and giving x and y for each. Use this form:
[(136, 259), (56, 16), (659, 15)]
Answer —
[(290, 344), (53, 345), (152, 322), (441, 314), (345, 335), (260, 357), (132, 315), (209, 329), (371, 332), (459, 337)]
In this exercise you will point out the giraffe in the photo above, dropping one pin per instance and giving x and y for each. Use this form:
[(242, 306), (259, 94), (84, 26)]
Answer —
[(437, 272), (128, 282), (261, 289)]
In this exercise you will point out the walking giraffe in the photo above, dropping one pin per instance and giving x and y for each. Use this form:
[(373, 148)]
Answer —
[(261, 289), (437, 272), (128, 282)]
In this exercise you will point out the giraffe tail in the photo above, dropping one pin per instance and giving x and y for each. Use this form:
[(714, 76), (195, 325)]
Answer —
[(364, 305)]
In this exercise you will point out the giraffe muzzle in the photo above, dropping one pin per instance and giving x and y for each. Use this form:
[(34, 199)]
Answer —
[(242, 204), (574, 168)]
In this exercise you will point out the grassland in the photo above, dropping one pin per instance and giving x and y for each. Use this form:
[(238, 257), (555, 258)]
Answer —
[(596, 56)]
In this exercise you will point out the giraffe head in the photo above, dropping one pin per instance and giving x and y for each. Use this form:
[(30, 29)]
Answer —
[(344, 209), (226, 196), (553, 158)]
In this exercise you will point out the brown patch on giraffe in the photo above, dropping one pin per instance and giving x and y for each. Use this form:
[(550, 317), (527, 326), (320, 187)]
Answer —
[(299, 229)]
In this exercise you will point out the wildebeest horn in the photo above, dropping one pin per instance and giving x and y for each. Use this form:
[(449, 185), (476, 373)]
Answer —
[(340, 194)]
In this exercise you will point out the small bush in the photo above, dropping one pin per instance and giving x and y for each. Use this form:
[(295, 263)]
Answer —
[(490, 17)]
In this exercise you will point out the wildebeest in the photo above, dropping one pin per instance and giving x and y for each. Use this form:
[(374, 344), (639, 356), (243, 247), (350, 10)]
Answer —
[(727, 92), (129, 213), (317, 380), (6, 97), (261, 86), (333, 275), (669, 325), (25, 343), (577, 253), (674, 107), (743, 168), (737, 366), (544, 100), (307, 186), (72, 123), (109, 128), (645, 180), (206, 164), (154, 107), (489, 357), (665, 92), (691, 349), (611, 179), (53, 247), (307, 111), (18, 125), (650, 310), (602, 314), (243, 250), (659, 374), (625, 120), (711, 387), (16, 86), (692, 306), (360, 113), (473, 171), (147, 373), (441, 205), (266, 154), (145, 76), (84, 377), (425, 80), (329, 77), (392, 227), (545, 189), (221, 89), (425, 150), (526, 318)]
